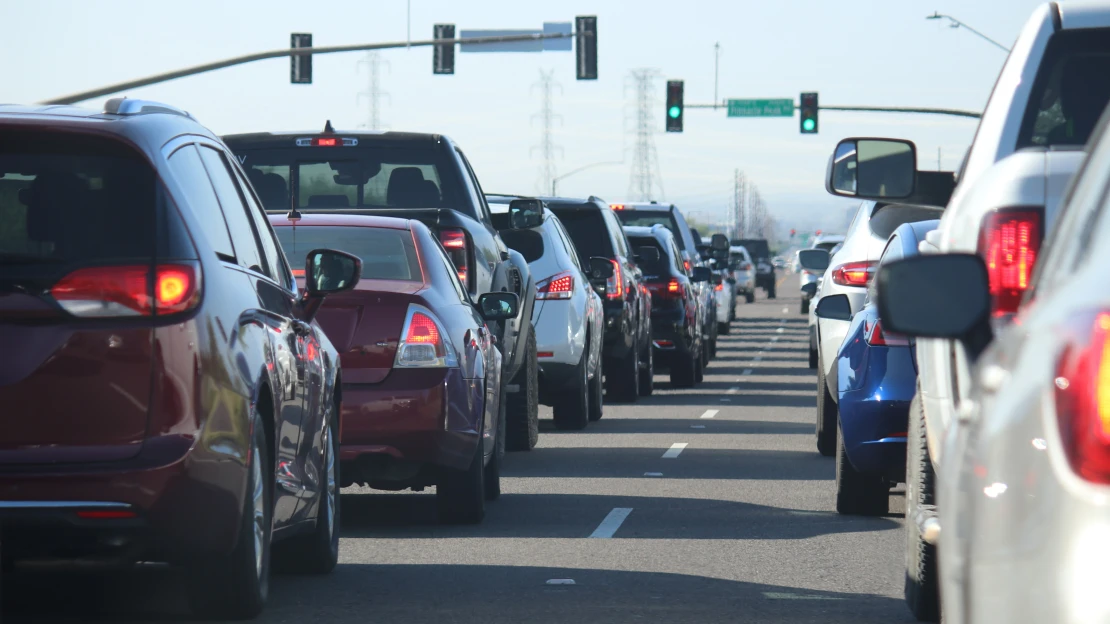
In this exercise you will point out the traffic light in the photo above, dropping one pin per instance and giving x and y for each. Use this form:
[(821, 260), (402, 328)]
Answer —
[(792, 233), (443, 54), (674, 105), (585, 34), (300, 65), (818, 232), (808, 118)]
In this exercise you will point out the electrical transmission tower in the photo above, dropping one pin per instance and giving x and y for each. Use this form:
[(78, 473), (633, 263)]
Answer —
[(547, 117), (374, 91), (645, 177)]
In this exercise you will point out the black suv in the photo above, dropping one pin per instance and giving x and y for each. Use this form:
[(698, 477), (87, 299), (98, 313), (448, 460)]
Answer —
[(677, 331), (761, 255), (628, 363), (412, 176)]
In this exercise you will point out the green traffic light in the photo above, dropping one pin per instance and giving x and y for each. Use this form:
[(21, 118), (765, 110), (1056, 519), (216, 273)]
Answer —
[(809, 124), (674, 112)]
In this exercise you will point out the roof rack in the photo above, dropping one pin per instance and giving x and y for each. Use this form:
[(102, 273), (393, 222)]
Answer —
[(128, 106)]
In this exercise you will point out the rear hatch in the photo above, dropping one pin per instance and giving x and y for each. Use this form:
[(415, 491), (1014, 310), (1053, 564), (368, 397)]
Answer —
[(77, 258), (590, 236), (657, 275)]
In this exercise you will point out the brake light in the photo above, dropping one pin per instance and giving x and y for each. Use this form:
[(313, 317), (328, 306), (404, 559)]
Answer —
[(674, 286), (686, 263), (106, 514), (1083, 400), (616, 206), (132, 290), (326, 142), (298, 272), (719, 287), (454, 241), (854, 273), (557, 287), (1009, 242), (614, 286), (424, 343), (876, 337)]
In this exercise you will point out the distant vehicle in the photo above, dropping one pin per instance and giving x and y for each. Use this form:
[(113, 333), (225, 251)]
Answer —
[(160, 352), (764, 269), (569, 314), (724, 292), (676, 322), (823, 241), (409, 176), (778, 262), (744, 272), (414, 348)]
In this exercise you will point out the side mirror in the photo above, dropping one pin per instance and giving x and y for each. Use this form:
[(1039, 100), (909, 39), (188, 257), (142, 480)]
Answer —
[(834, 307), (719, 242), (499, 306), (815, 260), (937, 296), (329, 271), (873, 169), (650, 255), (601, 268), (700, 274), (810, 289), (732, 280), (525, 214)]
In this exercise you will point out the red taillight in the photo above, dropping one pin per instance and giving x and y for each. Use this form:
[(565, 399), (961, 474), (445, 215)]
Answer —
[(557, 287), (745, 266), (1009, 242), (614, 286), (454, 241), (854, 273), (298, 272), (686, 263), (719, 287), (674, 286), (545, 354), (128, 290), (423, 343), (322, 142), (106, 514), (1083, 401), (876, 337), (616, 206), (423, 330)]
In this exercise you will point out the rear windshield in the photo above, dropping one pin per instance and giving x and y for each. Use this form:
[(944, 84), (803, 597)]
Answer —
[(587, 231), (757, 248), (350, 177), (386, 253), (648, 218), (660, 266), (1071, 89), (826, 246), (65, 198), (528, 242), (887, 218)]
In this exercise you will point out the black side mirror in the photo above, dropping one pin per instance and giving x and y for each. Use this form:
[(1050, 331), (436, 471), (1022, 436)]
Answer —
[(329, 271), (815, 260), (834, 307), (499, 306), (719, 242), (732, 280), (650, 255), (810, 289), (700, 274), (525, 214), (878, 169), (601, 268), (937, 296)]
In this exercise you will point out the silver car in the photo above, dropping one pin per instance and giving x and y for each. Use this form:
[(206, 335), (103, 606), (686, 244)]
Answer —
[(743, 269), (826, 242)]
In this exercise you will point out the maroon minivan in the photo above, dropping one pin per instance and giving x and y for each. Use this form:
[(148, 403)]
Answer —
[(165, 395)]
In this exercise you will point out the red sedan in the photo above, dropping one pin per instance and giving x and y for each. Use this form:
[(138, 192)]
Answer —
[(423, 402)]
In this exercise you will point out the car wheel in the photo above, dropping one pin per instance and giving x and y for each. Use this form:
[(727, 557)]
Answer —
[(805, 307), (771, 290), (813, 358), (858, 494), (647, 373), (921, 591), (236, 586), (492, 471), (522, 411), (749, 297), (827, 415), (724, 329), (699, 368), (571, 409), (624, 381), (596, 391), (460, 494), (318, 552)]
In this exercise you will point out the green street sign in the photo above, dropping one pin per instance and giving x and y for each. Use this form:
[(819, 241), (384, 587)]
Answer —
[(761, 108)]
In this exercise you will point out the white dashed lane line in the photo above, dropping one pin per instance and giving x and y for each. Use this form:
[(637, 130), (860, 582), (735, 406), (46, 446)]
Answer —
[(611, 523), (674, 451), (710, 413), (747, 371)]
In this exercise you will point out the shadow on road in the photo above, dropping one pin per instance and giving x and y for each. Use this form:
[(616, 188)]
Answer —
[(683, 426)]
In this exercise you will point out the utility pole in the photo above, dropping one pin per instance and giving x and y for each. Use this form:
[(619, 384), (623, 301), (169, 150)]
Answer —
[(645, 160), (374, 92), (547, 117), (716, 72)]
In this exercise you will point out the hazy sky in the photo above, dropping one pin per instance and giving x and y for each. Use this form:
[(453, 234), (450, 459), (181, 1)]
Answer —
[(871, 52)]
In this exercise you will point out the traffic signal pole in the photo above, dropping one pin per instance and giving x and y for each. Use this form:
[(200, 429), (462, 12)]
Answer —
[(878, 109), (260, 56)]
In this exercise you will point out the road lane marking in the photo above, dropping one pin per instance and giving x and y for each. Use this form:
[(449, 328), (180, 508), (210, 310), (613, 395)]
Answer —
[(733, 390), (747, 371), (726, 400), (775, 339), (675, 449), (653, 474), (786, 310), (710, 413), (779, 330), (790, 596), (697, 426), (611, 523), (758, 358), (560, 581)]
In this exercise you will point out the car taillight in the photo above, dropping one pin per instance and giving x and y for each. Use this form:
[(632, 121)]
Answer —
[(423, 342), (719, 287), (854, 273), (454, 241), (686, 263), (1009, 242), (614, 286), (1083, 399), (559, 286), (131, 290), (876, 337), (745, 266)]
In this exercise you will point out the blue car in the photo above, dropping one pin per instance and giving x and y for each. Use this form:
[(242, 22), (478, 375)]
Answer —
[(876, 379)]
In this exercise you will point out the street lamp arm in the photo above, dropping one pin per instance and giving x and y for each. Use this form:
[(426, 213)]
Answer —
[(957, 23), (582, 168)]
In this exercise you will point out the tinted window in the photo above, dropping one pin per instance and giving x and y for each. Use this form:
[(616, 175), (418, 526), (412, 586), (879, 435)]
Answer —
[(659, 267), (474, 187), (528, 242), (274, 260), (386, 253), (1071, 89), (648, 218), (826, 246), (452, 274), (568, 245), (239, 225), (587, 231), (887, 218), (187, 168), (617, 233), (65, 198)]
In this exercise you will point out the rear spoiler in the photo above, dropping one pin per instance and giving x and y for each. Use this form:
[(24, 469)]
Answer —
[(431, 217)]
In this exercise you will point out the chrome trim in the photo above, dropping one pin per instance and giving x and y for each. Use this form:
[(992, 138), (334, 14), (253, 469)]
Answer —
[(62, 505)]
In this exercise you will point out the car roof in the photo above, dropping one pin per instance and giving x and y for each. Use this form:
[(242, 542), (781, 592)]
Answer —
[(282, 139), (342, 220), (1078, 14), (643, 231), (645, 206)]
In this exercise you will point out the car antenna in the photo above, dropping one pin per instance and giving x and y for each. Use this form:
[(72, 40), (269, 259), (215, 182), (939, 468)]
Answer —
[(328, 129)]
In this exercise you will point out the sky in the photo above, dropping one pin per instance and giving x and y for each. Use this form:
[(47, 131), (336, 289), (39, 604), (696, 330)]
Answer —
[(852, 52)]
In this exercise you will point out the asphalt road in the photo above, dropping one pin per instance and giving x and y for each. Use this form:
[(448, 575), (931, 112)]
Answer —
[(736, 525)]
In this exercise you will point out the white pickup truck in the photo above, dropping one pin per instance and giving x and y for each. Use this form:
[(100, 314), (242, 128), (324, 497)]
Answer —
[(1029, 143)]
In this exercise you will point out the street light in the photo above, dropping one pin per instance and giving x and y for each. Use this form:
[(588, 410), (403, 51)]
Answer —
[(583, 168), (955, 23)]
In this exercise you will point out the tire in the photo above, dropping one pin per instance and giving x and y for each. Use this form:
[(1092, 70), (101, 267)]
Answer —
[(623, 383), (597, 408), (236, 586), (683, 373), (460, 494), (858, 494), (771, 290), (699, 369), (922, 586), (805, 307), (647, 373), (571, 409), (813, 358), (318, 552), (522, 408), (712, 344), (749, 297), (724, 329), (827, 416), (491, 474)]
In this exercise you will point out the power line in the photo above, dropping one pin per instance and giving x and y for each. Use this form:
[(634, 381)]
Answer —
[(374, 92), (644, 178), (547, 118)]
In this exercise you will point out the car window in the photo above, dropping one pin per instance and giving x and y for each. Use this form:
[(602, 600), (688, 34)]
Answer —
[(187, 167), (275, 260), (472, 188), (648, 218), (386, 253), (892, 253), (482, 205), (1070, 90), (616, 232), (572, 252), (677, 265), (888, 218), (247, 247), (660, 266), (452, 274), (587, 231)]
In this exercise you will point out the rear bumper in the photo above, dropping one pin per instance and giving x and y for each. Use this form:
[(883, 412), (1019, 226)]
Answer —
[(874, 428), (670, 340)]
